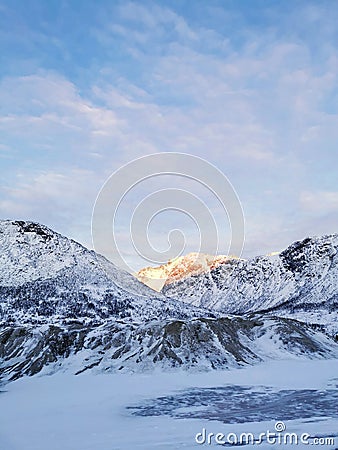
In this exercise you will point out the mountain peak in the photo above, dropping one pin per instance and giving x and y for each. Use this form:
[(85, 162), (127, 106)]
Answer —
[(46, 277), (62, 305), (177, 269)]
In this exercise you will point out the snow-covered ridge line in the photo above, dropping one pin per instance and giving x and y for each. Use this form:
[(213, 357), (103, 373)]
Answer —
[(46, 277), (179, 268), (65, 307), (301, 279)]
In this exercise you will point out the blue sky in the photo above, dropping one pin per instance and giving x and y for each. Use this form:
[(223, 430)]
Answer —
[(252, 86)]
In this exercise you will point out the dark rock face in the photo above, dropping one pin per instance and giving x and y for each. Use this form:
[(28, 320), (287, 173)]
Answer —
[(196, 344), (31, 227)]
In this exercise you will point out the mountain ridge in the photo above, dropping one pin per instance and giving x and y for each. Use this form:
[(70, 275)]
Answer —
[(62, 307), (179, 268), (303, 278), (45, 275)]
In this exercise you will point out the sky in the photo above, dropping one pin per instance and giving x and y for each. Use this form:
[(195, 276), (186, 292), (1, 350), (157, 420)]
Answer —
[(250, 86)]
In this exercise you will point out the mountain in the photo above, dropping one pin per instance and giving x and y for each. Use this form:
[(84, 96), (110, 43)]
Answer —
[(300, 282), (46, 277), (63, 307), (179, 268), (193, 344)]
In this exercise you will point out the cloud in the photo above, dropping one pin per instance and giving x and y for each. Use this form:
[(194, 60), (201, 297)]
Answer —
[(256, 99), (51, 99), (319, 202), (61, 200)]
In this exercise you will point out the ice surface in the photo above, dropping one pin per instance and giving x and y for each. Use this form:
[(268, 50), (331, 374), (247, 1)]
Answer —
[(92, 412)]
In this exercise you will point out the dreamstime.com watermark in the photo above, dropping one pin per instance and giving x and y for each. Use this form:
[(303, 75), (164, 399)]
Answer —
[(277, 437)]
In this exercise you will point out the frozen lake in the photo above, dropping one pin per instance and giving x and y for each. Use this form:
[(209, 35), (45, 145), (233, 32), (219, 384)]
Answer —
[(167, 410)]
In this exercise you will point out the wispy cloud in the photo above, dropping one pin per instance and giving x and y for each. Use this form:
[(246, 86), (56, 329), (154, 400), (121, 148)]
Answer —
[(252, 91), (319, 202), (56, 199)]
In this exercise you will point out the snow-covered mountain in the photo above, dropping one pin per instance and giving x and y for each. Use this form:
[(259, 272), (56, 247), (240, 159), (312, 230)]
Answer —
[(179, 268), (300, 282), (46, 277), (194, 344), (65, 307)]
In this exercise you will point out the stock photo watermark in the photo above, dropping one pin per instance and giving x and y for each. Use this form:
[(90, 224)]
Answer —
[(279, 436)]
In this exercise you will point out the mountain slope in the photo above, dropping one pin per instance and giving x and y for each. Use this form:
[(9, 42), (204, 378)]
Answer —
[(301, 280), (62, 307), (195, 344), (179, 268), (45, 277)]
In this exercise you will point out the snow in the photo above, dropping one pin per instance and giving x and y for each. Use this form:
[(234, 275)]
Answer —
[(179, 268), (301, 279), (89, 412), (65, 310), (46, 277)]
